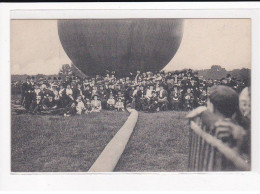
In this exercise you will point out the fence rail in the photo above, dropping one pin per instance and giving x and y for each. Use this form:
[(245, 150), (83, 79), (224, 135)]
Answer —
[(208, 153)]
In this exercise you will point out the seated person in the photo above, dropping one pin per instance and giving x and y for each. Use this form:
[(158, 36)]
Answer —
[(36, 105), (96, 104), (153, 105), (49, 105), (80, 107), (70, 109), (162, 98), (119, 105), (111, 102), (88, 105)]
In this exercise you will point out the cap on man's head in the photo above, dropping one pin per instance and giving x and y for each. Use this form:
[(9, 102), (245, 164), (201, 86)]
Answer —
[(224, 99)]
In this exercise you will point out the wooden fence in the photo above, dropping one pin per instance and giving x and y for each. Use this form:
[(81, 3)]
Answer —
[(208, 152)]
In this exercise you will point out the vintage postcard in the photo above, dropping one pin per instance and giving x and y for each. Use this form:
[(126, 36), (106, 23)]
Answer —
[(128, 98), (130, 95)]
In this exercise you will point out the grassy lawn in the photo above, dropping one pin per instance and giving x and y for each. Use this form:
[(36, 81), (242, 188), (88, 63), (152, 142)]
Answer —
[(159, 143), (72, 144), (61, 144)]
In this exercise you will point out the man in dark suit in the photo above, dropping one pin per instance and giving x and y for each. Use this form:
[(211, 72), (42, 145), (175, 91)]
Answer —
[(163, 98)]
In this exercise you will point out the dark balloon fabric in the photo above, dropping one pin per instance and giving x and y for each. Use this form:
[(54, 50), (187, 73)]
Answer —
[(121, 45)]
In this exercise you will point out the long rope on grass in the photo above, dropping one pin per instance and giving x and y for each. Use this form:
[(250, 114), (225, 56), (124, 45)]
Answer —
[(108, 159)]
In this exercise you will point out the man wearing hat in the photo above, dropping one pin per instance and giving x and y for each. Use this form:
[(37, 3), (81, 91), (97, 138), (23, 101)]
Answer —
[(175, 98), (87, 91), (188, 99), (25, 88), (142, 99), (223, 101), (153, 105), (49, 105), (162, 98), (103, 96), (28, 93)]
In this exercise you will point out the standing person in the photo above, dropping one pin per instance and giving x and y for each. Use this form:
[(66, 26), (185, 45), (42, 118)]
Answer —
[(162, 98), (87, 92), (68, 95), (202, 99), (138, 75), (29, 94), (62, 98), (24, 90), (128, 95), (175, 98), (142, 100), (148, 93), (94, 91), (37, 90), (103, 96), (78, 91), (136, 98), (188, 100)]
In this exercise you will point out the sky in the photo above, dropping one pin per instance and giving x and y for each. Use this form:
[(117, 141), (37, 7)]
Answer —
[(36, 48)]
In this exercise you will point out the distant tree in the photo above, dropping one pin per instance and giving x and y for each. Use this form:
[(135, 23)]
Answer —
[(65, 70), (217, 72), (241, 74), (38, 76)]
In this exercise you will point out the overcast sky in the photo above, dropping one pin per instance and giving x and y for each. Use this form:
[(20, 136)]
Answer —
[(36, 48)]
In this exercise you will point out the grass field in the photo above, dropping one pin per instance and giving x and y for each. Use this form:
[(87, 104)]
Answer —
[(159, 143), (72, 144), (61, 144)]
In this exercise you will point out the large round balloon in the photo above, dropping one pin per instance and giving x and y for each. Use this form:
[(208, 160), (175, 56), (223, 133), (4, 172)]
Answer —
[(121, 45)]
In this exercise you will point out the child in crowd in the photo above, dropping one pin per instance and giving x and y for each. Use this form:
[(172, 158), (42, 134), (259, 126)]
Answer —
[(80, 107), (119, 105), (96, 104), (111, 102)]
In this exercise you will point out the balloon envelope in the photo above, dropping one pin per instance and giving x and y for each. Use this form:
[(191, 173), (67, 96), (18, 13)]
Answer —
[(121, 45)]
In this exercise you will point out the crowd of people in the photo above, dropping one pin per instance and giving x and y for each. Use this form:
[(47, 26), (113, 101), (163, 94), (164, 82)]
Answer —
[(144, 91), (226, 100)]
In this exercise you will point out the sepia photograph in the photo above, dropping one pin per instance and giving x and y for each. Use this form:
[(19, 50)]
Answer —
[(130, 95)]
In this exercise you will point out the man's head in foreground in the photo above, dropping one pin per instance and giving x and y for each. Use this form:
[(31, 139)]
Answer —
[(223, 100)]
